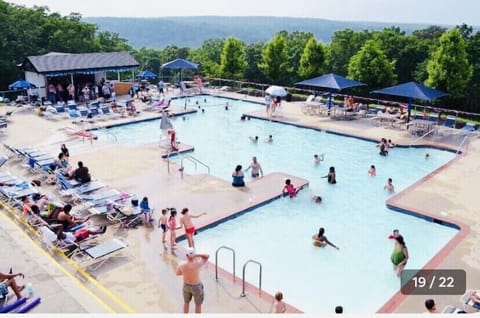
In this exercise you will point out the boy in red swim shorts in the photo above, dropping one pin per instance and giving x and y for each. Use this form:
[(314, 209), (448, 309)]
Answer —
[(186, 221)]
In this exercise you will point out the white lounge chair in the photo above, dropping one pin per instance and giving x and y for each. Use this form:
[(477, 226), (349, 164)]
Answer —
[(467, 303)]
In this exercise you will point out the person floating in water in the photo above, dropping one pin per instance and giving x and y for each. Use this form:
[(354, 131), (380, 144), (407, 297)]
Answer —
[(269, 139), (372, 171), (321, 240), (289, 189)]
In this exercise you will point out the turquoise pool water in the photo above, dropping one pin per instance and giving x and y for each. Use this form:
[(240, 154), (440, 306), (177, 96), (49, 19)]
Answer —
[(359, 276)]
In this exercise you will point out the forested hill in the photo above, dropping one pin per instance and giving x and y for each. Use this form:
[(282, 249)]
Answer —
[(190, 32)]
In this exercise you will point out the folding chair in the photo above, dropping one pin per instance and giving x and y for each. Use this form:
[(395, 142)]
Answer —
[(99, 253)]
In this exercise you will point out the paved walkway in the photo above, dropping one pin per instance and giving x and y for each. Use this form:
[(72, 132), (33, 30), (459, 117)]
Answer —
[(147, 266)]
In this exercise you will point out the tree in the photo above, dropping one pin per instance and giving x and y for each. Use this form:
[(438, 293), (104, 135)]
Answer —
[(344, 45), (209, 56), (448, 68), (274, 63), (233, 62), (296, 42), (254, 56), (111, 42), (371, 66), (312, 60), (473, 50)]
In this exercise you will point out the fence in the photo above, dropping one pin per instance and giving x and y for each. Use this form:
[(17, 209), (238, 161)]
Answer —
[(300, 94)]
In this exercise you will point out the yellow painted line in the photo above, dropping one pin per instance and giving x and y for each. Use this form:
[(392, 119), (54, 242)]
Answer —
[(76, 267)]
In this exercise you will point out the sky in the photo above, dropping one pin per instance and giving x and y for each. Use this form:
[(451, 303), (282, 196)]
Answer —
[(448, 12)]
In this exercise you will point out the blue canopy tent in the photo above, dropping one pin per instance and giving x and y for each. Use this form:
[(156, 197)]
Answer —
[(332, 82), (180, 64), (21, 84), (411, 90), (147, 75)]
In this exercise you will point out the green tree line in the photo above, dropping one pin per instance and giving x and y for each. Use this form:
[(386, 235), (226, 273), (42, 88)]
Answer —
[(446, 59)]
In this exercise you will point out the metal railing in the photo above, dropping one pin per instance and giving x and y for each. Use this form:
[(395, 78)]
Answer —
[(423, 136), (195, 161), (259, 276), (464, 140), (183, 157), (216, 260)]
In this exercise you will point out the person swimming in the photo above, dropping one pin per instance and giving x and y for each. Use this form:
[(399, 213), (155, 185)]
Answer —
[(372, 171)]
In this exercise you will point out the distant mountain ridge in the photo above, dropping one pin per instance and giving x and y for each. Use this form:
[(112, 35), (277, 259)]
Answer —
[(191, 32)]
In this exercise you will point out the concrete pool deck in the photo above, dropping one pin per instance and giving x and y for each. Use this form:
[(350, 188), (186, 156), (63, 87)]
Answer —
[(143, 279)]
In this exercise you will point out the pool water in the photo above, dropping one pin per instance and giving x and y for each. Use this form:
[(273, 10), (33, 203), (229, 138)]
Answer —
[(359, 276)]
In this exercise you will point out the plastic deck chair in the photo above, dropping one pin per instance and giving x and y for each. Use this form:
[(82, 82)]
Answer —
[(99, 253)]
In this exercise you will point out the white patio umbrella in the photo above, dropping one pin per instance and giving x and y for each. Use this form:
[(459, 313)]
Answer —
[(276, 91)]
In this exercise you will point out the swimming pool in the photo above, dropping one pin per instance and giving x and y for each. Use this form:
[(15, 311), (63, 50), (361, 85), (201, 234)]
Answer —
[(358, 276)]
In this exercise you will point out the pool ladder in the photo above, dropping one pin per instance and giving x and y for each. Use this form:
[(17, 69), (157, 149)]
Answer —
[(243, 269)]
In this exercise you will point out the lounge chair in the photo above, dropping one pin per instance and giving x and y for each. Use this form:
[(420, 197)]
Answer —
[(449, 309), (16, 192), (66, 183), (467, 303), (100, 252), (84, 188), (469, 127), (450, 121), (53, 243)]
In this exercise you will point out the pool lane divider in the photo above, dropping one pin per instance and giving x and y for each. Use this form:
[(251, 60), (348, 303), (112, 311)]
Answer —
[(74, 265)]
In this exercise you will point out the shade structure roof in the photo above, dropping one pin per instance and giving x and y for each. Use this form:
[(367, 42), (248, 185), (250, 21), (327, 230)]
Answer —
[(331, 81), (412, 90), (180, 64), (58, 64), (21, 84)]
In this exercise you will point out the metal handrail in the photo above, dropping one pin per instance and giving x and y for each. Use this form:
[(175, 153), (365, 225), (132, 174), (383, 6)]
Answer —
[(464, 140), (216, 260), (423, 136), (193, 159), (259, 277)]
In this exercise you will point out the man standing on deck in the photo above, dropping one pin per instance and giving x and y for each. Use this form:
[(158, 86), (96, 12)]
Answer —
[(192, 286)]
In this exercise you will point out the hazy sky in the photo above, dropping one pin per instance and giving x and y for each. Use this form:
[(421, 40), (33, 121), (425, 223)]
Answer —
[(451, 12)]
